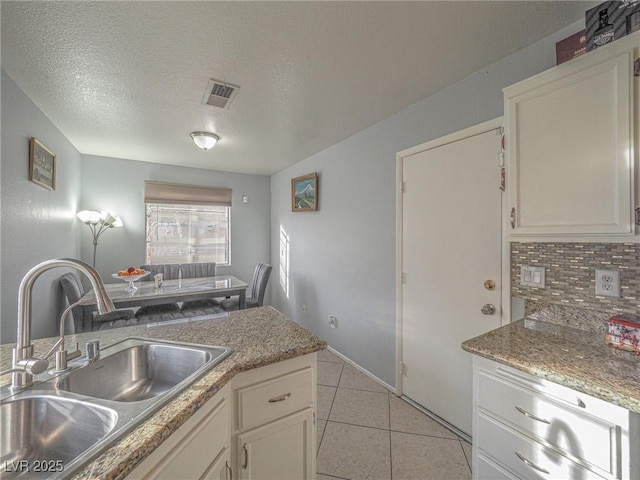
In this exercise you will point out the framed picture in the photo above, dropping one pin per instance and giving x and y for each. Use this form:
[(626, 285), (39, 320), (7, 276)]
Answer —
[(304, 193), (42, 165)]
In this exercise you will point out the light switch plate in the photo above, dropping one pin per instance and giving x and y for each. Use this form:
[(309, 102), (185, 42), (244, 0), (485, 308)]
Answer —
[(532, 276)]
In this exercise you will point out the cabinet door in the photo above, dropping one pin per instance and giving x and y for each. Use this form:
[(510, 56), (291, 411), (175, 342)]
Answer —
[(279, 450), (570, 147), (221, 468)]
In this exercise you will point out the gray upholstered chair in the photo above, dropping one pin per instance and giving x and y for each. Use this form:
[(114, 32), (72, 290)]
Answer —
[(258, 287), (73, 291), (169, 271), (205, 306)]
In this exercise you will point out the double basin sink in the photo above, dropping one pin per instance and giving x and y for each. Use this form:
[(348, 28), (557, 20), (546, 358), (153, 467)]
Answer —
[(58, 425)]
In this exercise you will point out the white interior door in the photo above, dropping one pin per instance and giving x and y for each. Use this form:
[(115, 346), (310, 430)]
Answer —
[(451, 244)]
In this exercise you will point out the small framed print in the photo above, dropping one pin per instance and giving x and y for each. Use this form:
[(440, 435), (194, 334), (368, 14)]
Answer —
[(42, 165), (304, 193)]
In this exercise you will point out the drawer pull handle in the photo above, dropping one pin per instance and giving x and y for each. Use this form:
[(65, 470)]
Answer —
[(245, 451), (529, 463), (281, 398), (532, 416), (581, 404), (229, 473)]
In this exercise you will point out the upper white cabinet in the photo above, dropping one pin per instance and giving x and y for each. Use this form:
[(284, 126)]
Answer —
[(571, 144)]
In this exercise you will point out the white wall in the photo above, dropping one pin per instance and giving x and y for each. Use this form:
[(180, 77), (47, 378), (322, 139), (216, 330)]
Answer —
[(117, 185), (342, 258), (37, 224)]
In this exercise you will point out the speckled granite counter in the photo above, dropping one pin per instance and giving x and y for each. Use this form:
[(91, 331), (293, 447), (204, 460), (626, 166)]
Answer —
[(258, 336), (574, 358)]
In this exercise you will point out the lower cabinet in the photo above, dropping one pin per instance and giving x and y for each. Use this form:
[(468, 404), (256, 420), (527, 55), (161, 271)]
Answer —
[(274, 426), (529, 428), (278, 450), (262, 425), (199, 449)]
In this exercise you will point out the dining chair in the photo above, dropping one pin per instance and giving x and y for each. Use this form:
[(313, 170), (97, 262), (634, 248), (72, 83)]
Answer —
[(258, 287), (205, 306), (169, 271), (73, 290)]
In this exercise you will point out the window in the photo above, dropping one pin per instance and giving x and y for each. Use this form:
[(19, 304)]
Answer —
[(186, 224)]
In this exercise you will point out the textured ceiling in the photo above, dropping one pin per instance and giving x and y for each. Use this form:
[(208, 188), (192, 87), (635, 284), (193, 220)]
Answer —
[(126, 79)]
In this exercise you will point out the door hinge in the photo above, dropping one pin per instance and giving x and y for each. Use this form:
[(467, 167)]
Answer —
[(503, 179), (403, 278), (638, 216), (403, 368), (636, 68), (314, 418), (403, 187)]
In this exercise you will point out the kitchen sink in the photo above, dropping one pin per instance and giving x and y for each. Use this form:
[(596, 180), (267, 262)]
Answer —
[(41, 434), (57, 426), (140, 371)]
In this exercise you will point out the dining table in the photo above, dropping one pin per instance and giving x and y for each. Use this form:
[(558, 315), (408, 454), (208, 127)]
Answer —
[(177, 290)]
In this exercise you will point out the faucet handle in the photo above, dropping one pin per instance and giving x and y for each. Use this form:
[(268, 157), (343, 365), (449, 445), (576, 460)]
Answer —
[(93, 350)]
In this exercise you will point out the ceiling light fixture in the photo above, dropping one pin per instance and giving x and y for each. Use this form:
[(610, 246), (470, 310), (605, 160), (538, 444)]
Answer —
[(205, 140)]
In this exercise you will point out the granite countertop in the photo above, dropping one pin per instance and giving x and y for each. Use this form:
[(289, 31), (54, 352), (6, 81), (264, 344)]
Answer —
[(574, 358), (258, 336)]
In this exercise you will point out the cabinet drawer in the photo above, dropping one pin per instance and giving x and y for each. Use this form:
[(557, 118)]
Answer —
[(485, 469), (524, 456), (273, 399), (570, 429)]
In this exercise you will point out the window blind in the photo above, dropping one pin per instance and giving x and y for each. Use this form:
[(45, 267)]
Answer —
[(160, 192)]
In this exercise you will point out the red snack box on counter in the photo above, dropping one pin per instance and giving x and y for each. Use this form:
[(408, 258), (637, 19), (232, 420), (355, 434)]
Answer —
[(624, 332)]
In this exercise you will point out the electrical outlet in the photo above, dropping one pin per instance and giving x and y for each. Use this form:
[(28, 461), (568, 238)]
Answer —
[(304, 308), (608, 283), (333, 321)]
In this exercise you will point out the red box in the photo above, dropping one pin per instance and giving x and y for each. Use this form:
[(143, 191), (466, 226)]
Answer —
[(624, 332), (571, 47)]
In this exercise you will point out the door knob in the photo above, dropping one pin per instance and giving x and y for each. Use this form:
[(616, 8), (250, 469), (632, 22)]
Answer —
[(488, 309)]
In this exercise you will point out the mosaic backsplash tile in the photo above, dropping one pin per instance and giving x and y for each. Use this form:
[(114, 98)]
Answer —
[(570, 274)]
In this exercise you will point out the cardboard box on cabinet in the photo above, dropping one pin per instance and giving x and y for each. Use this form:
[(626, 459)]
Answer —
[(610, 21)]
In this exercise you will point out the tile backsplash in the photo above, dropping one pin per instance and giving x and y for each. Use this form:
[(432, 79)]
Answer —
[(570, 274)]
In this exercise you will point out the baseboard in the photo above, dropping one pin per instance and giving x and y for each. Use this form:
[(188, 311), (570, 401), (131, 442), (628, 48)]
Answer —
[(363, 370)]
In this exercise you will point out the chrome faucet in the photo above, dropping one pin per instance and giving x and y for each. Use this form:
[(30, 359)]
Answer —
[(24, 364)]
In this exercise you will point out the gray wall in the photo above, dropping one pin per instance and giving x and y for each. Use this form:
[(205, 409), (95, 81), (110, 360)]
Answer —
[(342, 258), (118, 185), (37, 224)]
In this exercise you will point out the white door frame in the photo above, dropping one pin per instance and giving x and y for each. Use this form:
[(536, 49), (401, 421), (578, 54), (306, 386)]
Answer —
[(505, 308)]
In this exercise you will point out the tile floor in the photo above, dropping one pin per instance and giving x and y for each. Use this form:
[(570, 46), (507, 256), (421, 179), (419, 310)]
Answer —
[(366, 432)]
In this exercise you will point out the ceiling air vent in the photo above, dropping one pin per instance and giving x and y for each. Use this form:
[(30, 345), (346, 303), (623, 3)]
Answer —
[(219, 94)]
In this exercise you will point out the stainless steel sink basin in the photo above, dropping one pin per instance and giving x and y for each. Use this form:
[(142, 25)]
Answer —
[(140, 371), (47, 433), (71, 418)]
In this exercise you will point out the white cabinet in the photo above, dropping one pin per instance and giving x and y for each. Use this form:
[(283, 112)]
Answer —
[(572, 147), (199, 449), (274, 421), (526, 427)]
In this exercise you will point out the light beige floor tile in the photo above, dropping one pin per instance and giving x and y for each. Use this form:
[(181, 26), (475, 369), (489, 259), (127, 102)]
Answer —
[(407, 419), (358, 407), (352, 378), (466, 447), (427, 458), (354, 452), (325, 400), (329, 373), (320, 424), (319, 476), (327, 356)]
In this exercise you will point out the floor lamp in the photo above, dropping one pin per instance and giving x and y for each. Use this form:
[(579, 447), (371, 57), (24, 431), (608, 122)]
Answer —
[(98, 223)]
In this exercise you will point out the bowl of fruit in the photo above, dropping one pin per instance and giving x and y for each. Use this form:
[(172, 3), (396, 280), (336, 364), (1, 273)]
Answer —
[(131, 275)]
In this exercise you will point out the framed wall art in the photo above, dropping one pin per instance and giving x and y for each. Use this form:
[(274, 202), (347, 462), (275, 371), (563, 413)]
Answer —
[(42, 165), (304, 193)]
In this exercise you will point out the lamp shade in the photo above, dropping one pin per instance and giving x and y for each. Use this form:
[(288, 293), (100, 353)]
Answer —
[(205, 140), (88, 216)]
